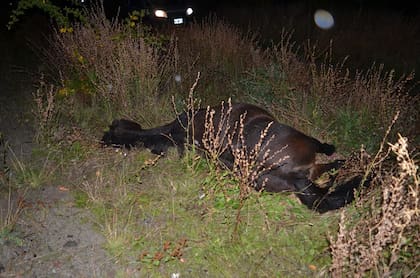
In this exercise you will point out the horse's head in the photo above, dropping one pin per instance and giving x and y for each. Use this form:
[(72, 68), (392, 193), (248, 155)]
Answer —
[(121, 132)]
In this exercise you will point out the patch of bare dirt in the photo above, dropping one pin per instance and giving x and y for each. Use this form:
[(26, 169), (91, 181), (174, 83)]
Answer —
[(54, 238)]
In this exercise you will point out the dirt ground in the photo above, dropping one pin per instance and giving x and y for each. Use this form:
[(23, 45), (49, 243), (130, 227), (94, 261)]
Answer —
[(52, 237)]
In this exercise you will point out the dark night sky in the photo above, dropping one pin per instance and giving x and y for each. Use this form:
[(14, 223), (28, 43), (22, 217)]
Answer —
[(405, 6), (399, 9)]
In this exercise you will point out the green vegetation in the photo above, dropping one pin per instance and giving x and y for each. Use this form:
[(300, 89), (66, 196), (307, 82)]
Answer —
[(61, 14), (164, 215)]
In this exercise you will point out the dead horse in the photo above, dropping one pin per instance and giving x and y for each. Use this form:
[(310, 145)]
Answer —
[(291, 166)]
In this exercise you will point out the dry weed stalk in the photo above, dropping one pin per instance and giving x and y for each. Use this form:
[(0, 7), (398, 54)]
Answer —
[(221, 135), (191, 105), (45, 110), (14, 208), (250, 163), (94, 190), (286, 52), (4, 168), (376, 242), (215, 138)]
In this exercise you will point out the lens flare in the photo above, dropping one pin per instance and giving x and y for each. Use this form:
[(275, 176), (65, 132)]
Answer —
[(323, 19)]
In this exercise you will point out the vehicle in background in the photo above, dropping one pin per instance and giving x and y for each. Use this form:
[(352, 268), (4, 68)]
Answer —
[(176, 12)]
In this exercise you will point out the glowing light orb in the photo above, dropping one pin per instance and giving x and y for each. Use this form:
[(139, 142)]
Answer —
[(323, 19)]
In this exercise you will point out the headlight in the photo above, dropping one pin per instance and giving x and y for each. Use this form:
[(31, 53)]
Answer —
[(161, 13), (189, 11)]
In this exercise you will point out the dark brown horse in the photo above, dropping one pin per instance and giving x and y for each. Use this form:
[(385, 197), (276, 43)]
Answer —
[(287, 158)]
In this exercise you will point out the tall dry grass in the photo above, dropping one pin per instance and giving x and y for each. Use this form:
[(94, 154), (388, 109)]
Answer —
[(220, 51), (112, 64), (45, 112), (329, 100), (378, 92), (383, 240)]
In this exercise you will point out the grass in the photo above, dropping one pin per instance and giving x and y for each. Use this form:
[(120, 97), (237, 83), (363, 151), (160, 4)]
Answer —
[(166, 215), (159, 223)]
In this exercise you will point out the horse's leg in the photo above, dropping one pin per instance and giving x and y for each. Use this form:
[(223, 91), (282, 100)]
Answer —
[(274, 183), (325, 199), (312, 196)]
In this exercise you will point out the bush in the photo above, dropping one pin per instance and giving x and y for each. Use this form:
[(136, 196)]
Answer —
[(111, 65)]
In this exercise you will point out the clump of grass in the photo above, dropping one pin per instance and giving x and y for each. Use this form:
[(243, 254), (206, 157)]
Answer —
[(10, 212), (376, 94), (110, 190), (10, 206), (17, 177), (384, 238), (28, 174)]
